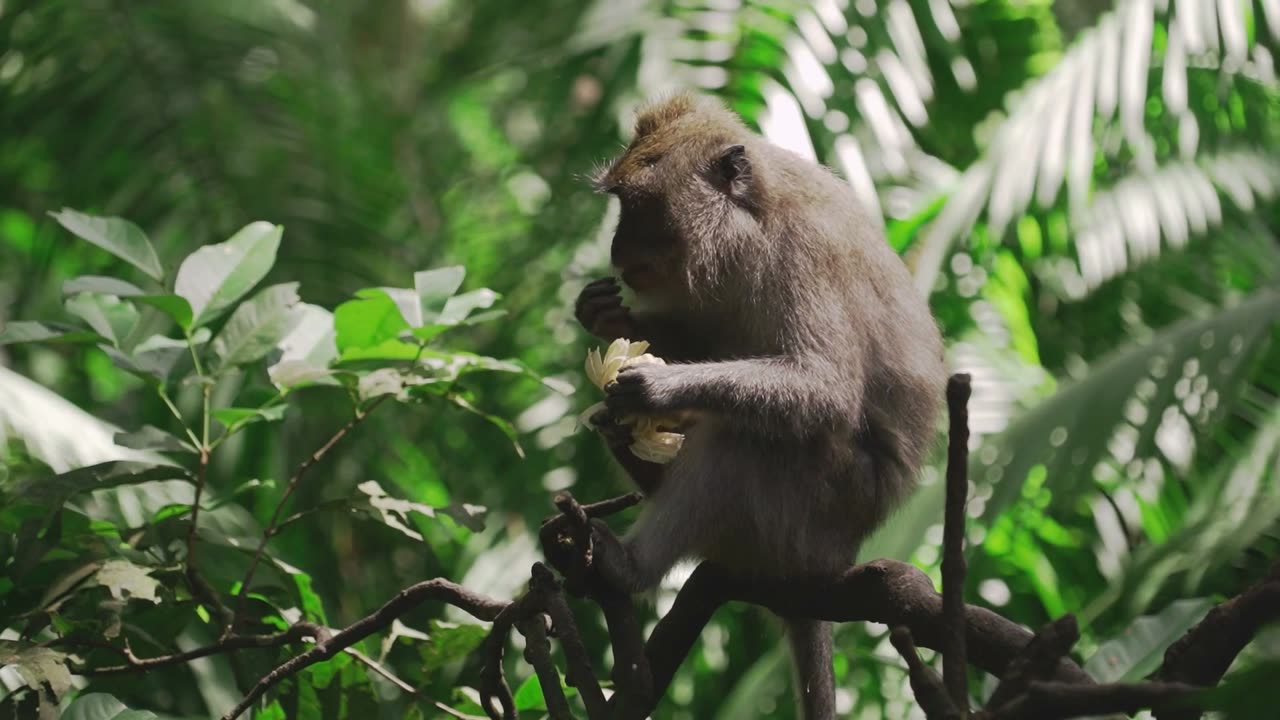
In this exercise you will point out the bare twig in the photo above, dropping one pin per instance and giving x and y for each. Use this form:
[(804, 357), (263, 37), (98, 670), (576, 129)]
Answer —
[(292, 485), (929, 689), (405, 687), (295, 633), (479, 606), (954, 667)]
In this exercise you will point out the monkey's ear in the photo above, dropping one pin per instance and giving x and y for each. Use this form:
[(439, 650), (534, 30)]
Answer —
[(733, 169)]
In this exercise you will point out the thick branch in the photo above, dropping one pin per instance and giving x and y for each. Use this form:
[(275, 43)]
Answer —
[(883, 591), (537, 652), (929, 689), (441, 590), (1037, 660), (954, 667), (578, 672), (1058, 700)]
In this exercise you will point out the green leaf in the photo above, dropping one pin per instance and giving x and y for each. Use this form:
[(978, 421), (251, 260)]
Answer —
[(458, 307), (101, 285), (25, 331), (172, 305), (434, 288), (109, 316), (449, 642), (216, 276), (1139, 651), (258, 325), (118, 237), (244, 416), (153, 359), (370, 327), (529, 695), (394, 512), (101, 706), (57, 489), (307, 350), (126, 580), (150, 437)]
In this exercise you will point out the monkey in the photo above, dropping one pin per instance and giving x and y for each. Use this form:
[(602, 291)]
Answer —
[(811, 367)]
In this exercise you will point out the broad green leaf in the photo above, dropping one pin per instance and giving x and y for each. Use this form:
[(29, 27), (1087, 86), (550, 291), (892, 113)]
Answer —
[(529, 695), (153, 359), (459, 307), (25, 331), (172, 305), (101, 285), (118, 237), (307, 350), (244, 416), (497, 421), (109, 316), (101, 706), (216, 276), (371, 325), (126, 580), (1140, 649), (1071, 417), (257, 325), (434, 288), (38, 666), (394, 512), (55, 490), (449, 642), (150, 437)]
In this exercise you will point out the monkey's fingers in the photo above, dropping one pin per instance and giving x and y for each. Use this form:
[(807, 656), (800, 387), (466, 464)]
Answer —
[(604, 284), (614, 432)]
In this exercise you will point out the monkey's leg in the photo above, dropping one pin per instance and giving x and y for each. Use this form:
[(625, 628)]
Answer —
[(813, 676)]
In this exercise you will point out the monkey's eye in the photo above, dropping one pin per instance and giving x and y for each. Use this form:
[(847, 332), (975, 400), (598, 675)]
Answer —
[(650, 160)]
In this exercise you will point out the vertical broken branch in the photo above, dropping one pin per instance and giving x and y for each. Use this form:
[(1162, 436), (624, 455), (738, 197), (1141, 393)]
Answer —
[(953, 563)]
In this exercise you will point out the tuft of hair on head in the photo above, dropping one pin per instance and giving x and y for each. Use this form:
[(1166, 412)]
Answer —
[(669, 109)]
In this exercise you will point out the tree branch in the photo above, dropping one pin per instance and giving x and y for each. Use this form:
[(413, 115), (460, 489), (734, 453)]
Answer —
[(954, 667), (1058, 700), (929, 689), (133, 663), (537, 652), (1037, 659), (479, 606)]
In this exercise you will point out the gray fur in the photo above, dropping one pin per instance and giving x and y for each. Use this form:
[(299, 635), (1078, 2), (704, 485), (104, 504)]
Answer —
[(811, 365)]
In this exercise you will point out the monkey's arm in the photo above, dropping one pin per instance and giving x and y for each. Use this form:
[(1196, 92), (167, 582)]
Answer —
[(778, 392), (617, 437)]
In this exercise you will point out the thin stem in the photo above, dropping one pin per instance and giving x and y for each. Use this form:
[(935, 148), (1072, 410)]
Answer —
[(274, 525), (174, 409)]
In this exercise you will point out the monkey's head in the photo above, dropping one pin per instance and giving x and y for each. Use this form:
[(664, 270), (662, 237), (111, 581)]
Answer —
[(689, 197)]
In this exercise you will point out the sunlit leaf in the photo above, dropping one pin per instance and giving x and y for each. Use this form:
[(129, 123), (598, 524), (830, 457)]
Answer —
[(394, 512), (38, 666), (449, 642), (101, 285), (118, 237), (370, 325), (435, 288), (529, 695), (216, 276), (257, 325), (126, 580), (1140, 649), (56, 489), (101, 706), (109, 316)]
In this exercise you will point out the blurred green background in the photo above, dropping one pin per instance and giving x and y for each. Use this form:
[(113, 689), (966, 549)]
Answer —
[(1088, 192)]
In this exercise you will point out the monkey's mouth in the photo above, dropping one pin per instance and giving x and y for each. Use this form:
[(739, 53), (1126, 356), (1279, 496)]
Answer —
[(641, 277)]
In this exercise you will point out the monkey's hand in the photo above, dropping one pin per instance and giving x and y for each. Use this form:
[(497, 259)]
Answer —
[(600, 311), (644, 390), (616, 434)]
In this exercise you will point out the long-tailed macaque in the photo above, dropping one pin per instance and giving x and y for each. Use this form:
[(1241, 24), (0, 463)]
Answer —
[(795, 340)]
